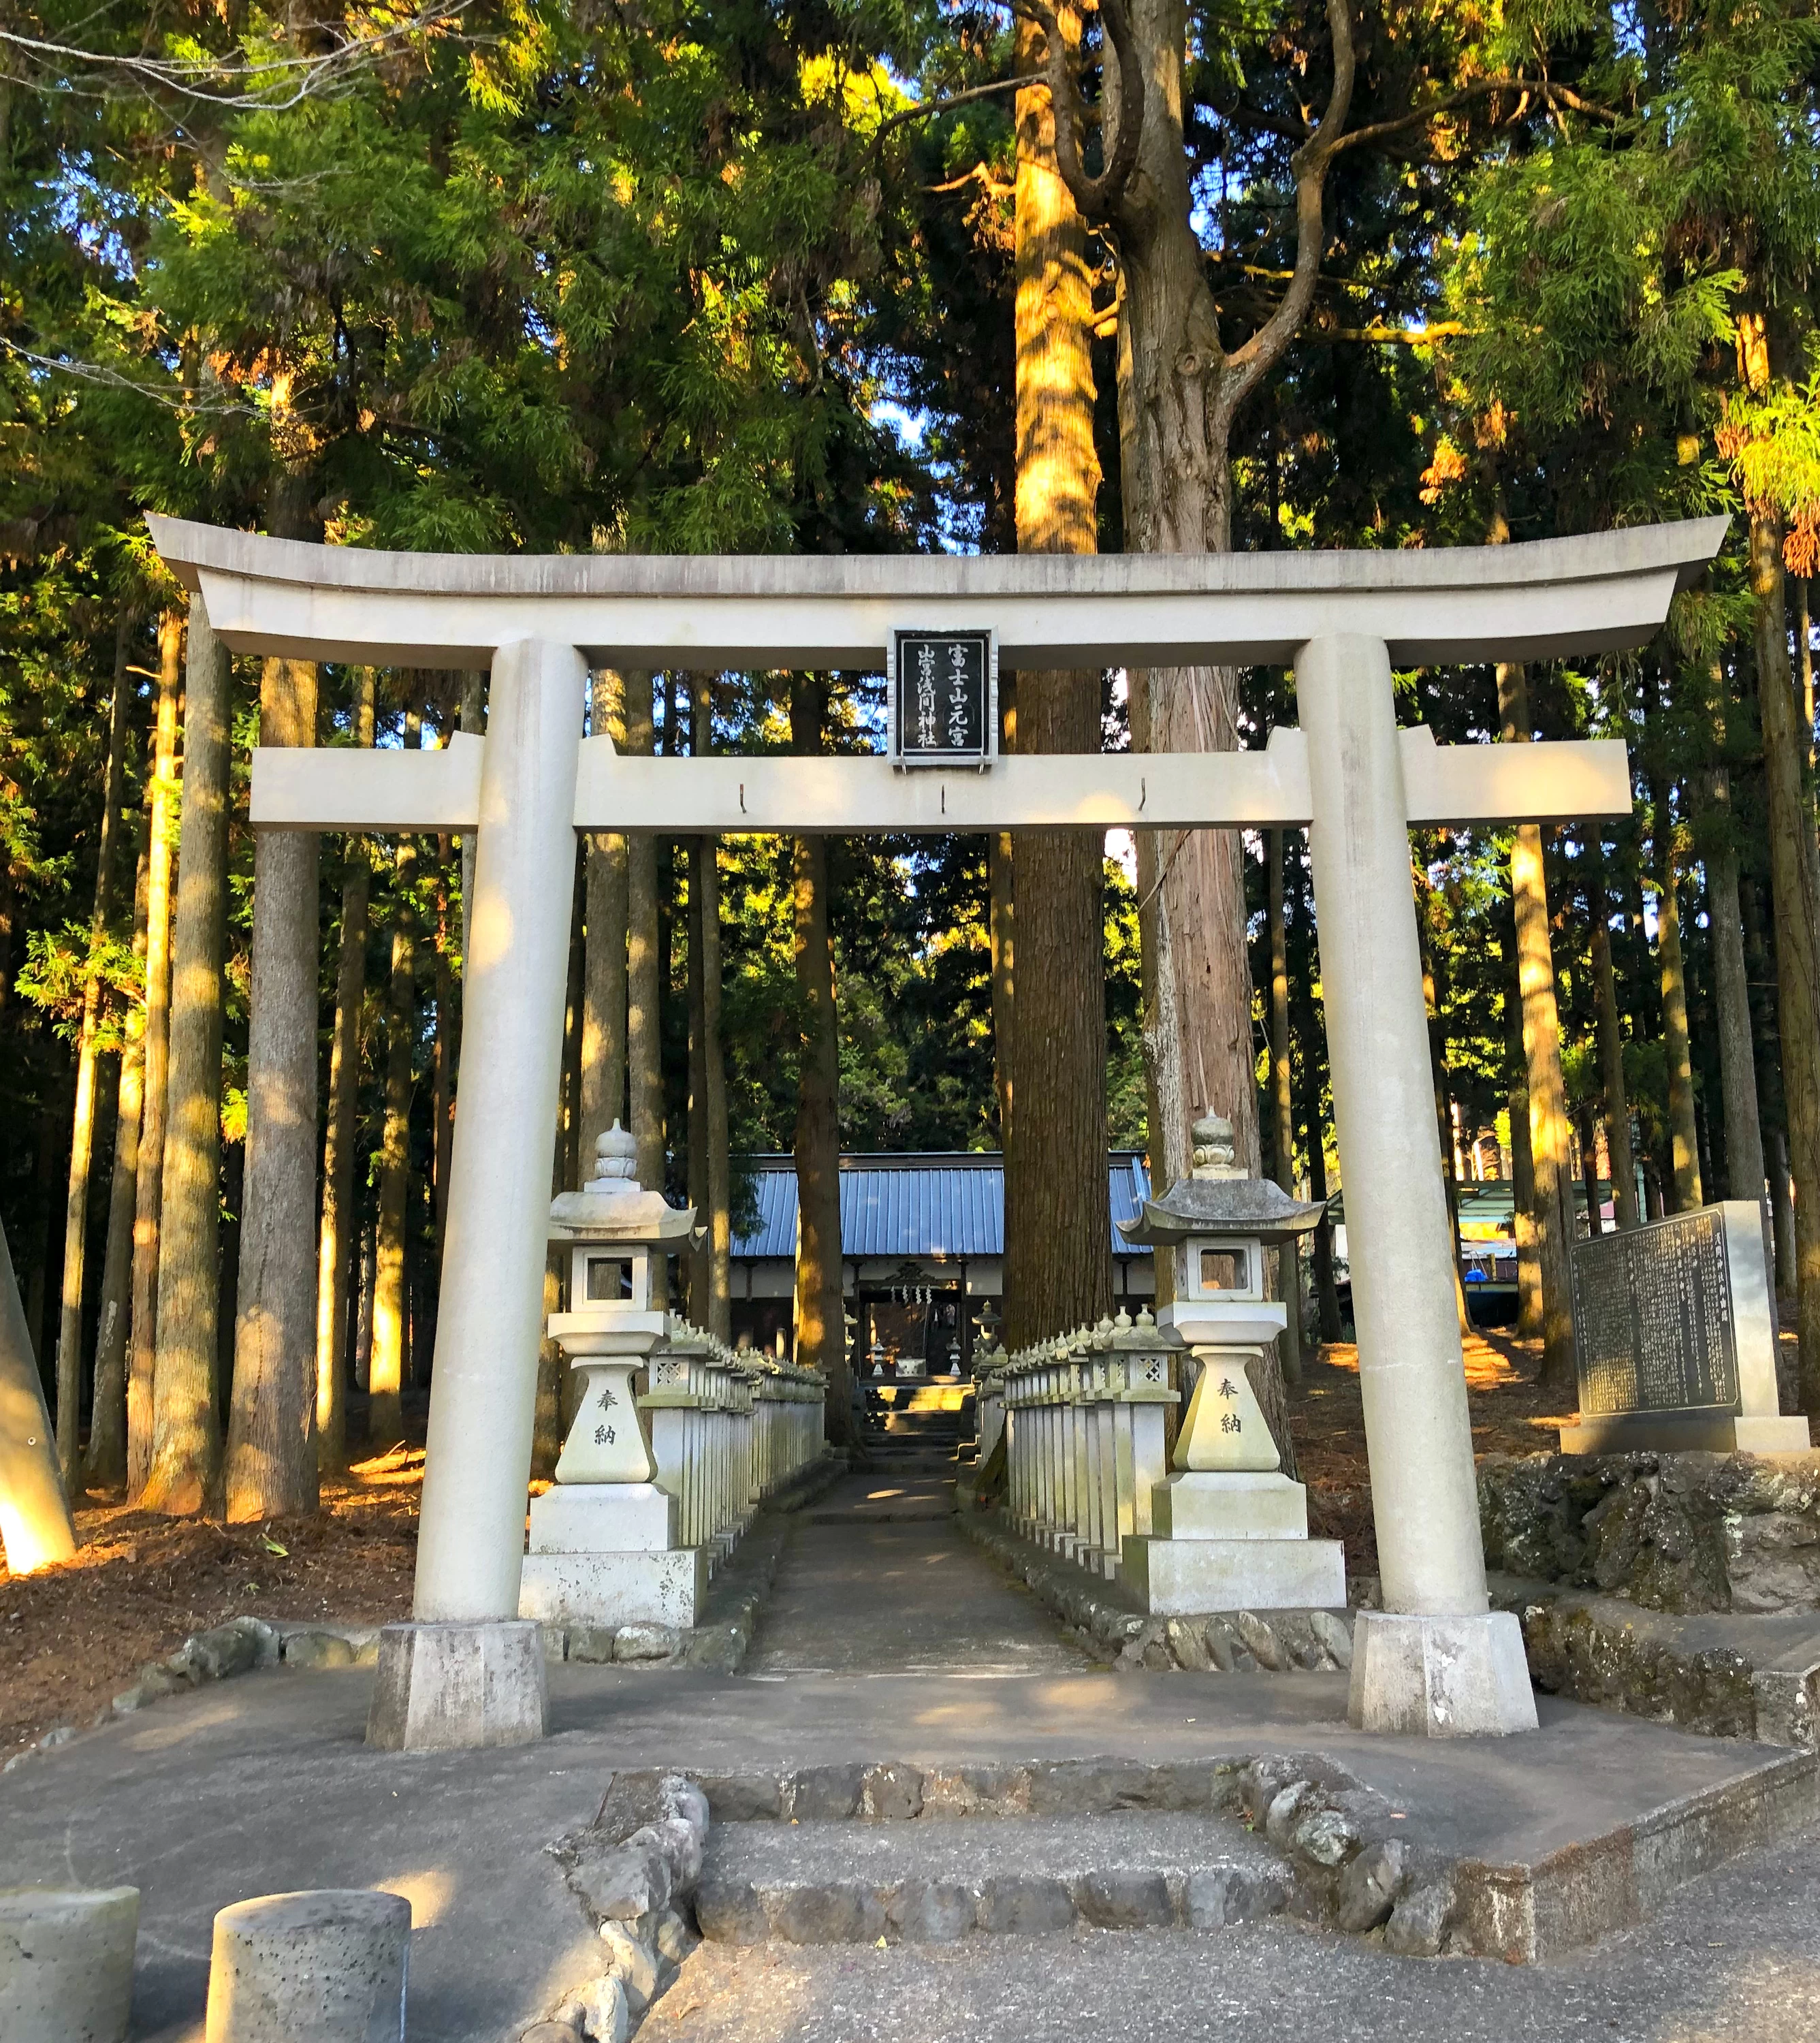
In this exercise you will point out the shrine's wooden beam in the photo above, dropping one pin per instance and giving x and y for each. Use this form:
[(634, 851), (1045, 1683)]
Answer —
[(1537, 600), (382, 790)]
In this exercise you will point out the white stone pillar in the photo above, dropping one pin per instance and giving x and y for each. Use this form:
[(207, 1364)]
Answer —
[(470, 1543), (1435, 1661)]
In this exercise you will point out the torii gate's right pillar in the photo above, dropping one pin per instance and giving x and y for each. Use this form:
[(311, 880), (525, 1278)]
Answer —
[(1436, 1659)]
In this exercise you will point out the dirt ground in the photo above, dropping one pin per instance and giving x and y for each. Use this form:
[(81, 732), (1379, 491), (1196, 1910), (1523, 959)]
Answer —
[(1511, 1416), (71, 1637)]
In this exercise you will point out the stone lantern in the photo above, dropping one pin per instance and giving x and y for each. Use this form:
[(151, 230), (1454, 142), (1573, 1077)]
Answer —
[(1228, 1530), (603, 1539)]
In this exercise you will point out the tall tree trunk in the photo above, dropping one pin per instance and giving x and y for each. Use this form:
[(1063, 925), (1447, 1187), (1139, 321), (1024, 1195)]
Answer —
[(106, 1465), (1794, 879), (1314, 1136), (385, 1370), (161, 799), (1058, 1269), (1551, 1180), (1746, 1172), (603, 1022), (1529, 1319), (717, 1217), (1282, 1099), (1683, 1136), (37, 1530), (1612, 1057), (271, 1470), (1000, 917), (821, 1326), (186, 1437), (336, 1238), (82, 1126), (644, 979), (473, 722)]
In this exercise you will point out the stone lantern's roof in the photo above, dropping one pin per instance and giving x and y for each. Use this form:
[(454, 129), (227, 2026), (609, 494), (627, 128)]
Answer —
[(1218, 1197), (613, 1206)]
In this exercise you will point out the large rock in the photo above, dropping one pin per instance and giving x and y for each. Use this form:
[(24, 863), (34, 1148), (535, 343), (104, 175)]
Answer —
[(1678, 1532)]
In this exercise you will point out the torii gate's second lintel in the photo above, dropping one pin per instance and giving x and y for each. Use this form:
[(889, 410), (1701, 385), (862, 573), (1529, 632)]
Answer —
[(1435, 1659)]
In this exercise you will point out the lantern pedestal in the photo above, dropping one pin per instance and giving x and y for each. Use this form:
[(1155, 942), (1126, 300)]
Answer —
[(604, 1553), (1188, 1578)]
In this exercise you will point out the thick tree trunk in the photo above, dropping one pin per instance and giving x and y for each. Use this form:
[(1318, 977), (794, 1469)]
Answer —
[(820, 1341), (643, 993), (473, 722), (1611, 1061), (715, 1215), (1529, 1319), (1551, 1198), (1794, 878), (1745, 1173), (603, 1022), (186, 1438), (83, 1125), (1282, 1100), (1684, 1136), (385, 1369), (1001, 916), (271, 1446), (162, 798), (106, 1465), (1058, 1265), (336, 1240)]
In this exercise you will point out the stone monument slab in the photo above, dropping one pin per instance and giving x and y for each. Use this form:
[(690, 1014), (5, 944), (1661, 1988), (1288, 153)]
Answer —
[(1675, 1336)]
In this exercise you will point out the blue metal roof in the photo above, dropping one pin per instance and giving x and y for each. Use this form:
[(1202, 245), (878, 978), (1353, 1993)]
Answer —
[(908, 1206)]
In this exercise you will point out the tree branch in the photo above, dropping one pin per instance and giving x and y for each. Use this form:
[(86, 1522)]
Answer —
[(1246, 366), (926, 110), (1097, 197)]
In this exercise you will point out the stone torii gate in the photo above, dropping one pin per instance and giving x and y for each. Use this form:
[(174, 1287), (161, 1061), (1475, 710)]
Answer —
[(1435, 1659)]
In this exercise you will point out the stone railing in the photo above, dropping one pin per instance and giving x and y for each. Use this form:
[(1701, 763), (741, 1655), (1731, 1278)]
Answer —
[(728, 1428), (1083, 1420)]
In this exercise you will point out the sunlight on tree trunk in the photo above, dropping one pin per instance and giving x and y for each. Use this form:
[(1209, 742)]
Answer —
[(271, 1468), (1617, 1098), (603, 1021), (186, 1444), (162, 797)]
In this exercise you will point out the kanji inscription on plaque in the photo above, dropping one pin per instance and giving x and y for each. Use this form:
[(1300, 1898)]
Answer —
[(1653, 1320), (943, 698)]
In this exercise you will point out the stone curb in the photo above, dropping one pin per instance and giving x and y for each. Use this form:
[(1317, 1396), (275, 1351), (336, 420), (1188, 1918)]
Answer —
[(1213, 1642), (633, 1870), (1608, 1652)]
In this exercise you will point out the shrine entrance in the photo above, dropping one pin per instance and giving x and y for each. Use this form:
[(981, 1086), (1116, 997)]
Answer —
[(1439, 1658)]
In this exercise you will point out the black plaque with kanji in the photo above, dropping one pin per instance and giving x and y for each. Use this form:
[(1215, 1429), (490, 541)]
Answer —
[(1652, 1321), (943, 710)]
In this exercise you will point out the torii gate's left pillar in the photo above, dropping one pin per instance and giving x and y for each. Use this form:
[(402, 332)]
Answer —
[(466, 1670)]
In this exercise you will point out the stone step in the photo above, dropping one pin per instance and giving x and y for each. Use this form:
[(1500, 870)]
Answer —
[(939, 1880)]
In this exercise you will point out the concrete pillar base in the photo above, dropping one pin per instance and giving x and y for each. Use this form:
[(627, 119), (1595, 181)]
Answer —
[(443, 1688), (1439, 1677), (65, 1962), (329, 1964)]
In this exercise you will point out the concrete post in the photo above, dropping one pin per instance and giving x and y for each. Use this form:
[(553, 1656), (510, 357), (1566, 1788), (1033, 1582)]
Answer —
[(483, 1392), (65, 1962), (327, 1965), (1435, 1661)]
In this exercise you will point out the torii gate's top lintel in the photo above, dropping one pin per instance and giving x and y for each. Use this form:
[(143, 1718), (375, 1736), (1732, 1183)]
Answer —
[(1539, 600)]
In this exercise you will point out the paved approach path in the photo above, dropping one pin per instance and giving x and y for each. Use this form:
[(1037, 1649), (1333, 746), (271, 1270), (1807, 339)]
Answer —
[(878, 1579)]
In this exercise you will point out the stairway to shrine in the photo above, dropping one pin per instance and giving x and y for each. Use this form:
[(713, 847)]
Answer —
[(878, 1579), (922, 1431)]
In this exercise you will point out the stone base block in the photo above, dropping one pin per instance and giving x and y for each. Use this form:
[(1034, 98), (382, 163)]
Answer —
[(1439, 1677), (615, 1588), (443, 1688), (1243, 1505), (1684, 1432), (328, 1964), (603, 1518), (65, 1962), (1183, 1577)]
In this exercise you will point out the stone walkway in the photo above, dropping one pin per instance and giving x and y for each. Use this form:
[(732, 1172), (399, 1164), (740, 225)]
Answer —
[(878, 1580)]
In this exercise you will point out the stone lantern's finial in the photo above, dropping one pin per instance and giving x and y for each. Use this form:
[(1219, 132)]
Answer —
[(615, 1155), (1215, 1150)]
